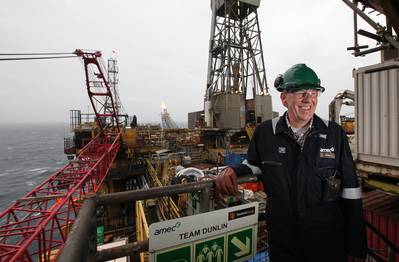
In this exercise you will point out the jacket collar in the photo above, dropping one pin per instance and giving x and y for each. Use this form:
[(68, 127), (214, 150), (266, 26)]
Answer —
[(280, 126)]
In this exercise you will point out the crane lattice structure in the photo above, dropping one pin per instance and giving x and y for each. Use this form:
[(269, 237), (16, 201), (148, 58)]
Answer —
[(36, 226), (100, 92)]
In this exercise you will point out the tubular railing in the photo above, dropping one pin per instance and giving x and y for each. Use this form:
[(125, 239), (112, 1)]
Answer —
[(81, 245)]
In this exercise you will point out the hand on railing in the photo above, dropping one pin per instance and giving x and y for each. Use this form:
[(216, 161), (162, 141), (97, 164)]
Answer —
[(226, 183)]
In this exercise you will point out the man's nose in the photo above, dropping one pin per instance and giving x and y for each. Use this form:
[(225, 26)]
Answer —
[(306, 96)]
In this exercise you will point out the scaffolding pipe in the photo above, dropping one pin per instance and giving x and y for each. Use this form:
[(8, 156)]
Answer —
[(371, 50), (373, 24)]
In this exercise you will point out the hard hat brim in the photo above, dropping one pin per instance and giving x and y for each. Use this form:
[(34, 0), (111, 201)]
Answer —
[(295, 87)]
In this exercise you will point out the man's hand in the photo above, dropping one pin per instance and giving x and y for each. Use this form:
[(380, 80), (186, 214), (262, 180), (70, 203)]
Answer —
[(226, 183)]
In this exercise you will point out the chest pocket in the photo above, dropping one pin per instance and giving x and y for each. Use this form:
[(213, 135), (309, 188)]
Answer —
[(327, 157), (273, 174), (327, 181), (323, 163)]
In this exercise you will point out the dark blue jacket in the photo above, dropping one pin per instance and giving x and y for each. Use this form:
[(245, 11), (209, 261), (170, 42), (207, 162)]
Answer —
[(302, 225)]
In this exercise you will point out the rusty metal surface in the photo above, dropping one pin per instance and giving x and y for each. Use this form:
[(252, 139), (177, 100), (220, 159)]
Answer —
[(377, 169), (382, 211)]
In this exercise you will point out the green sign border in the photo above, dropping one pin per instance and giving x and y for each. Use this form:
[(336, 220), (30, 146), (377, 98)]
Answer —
[(251, 254), (172, 249)]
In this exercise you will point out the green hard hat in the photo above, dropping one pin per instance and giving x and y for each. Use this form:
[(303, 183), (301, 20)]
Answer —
[(298, 77)]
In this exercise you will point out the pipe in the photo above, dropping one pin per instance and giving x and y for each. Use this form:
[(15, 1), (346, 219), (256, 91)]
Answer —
[(130, 196), (355, 37), (371, 50), (370, 35), (122, 251), (76, 242)]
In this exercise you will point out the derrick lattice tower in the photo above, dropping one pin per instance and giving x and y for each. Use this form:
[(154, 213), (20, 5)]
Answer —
[(237, 91), (166, 120), (113, 80)]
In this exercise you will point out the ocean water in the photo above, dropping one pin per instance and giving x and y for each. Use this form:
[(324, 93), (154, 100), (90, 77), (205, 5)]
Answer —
[(29, 153)]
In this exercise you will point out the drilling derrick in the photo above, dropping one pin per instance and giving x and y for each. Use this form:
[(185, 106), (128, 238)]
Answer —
[(113, 81), (166, 120), (237, 91)]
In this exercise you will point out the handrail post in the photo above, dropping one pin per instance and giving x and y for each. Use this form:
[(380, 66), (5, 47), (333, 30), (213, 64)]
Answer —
[(76, 244)]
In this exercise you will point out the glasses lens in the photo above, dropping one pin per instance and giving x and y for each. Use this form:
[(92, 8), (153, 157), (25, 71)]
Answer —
[(311, 92)]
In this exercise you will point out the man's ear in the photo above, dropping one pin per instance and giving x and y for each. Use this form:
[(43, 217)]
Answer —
[(283, 97)]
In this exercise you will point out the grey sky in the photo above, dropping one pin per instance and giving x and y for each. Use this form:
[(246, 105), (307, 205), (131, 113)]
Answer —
[(162, 51)]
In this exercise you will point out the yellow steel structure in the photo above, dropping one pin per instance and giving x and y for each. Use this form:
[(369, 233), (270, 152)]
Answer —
[(165, 203), (386, 187), (250, 131), (142, 231), (129, 137), (168, 208)]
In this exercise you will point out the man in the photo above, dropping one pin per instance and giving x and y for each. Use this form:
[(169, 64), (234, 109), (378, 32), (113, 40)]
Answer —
[(314, 209)]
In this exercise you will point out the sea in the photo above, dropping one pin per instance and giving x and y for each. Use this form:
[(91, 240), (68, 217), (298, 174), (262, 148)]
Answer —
[(29, 153)]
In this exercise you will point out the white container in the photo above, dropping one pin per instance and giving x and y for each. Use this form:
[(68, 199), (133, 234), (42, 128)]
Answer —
[(377, 113)]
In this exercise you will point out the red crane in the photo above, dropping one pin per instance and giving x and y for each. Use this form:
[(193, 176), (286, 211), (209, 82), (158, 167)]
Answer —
[(36, 226), (99, 91)]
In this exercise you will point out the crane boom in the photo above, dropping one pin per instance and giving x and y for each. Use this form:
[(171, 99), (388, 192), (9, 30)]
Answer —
[(99, 91), (36, 226), (38, 223)]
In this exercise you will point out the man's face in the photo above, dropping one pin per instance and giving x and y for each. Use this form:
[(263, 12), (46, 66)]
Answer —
[(301, 106)]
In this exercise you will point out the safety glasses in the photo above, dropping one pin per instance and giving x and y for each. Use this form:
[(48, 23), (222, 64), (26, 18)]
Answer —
[(307, 92)]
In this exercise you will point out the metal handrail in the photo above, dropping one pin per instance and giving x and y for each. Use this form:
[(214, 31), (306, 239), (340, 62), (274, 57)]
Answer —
[(76, 244)]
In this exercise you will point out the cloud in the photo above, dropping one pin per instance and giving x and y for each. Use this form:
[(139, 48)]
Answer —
[(162, 50)]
